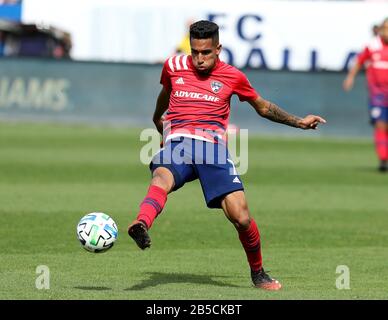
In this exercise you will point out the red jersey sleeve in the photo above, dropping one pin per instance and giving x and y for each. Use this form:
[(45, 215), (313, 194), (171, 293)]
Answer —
[(165, 79), (244, 89), (364, 56)]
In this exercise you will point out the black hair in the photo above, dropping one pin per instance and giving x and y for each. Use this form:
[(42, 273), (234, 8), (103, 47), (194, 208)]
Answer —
[(204, 29)]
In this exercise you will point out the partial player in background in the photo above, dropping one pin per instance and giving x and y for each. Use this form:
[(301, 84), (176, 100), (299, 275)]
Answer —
[(196, 94), (184, 45), (376, 30), (375, 58)]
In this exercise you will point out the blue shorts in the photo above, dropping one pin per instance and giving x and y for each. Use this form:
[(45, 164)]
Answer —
[(378, 114), (190, 159)]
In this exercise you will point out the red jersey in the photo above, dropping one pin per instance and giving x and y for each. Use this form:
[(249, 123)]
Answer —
[(200, 104), (375, 58)]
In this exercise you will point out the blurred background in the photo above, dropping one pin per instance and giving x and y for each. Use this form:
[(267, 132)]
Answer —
[(100, 60)]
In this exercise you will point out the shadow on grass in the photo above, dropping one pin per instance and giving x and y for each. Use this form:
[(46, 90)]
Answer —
[(157, 278), (93, 288), (369, 169)]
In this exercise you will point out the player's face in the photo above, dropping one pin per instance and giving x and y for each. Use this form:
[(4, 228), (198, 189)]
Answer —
[(384, 32), (204, 53)]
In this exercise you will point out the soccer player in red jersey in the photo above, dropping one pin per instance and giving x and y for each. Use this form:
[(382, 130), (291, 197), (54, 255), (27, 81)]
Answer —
[(375, 59), (196, 94)]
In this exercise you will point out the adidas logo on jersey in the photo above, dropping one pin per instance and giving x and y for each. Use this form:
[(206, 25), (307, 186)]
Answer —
[(180, 81), (236, 180)]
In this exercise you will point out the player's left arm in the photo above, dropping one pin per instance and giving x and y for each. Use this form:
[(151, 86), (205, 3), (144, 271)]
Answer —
[(271, 111)]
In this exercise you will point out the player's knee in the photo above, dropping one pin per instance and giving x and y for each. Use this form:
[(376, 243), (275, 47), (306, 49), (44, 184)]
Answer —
[(242, 223), (163, 179), (242, 220), (383, 125)]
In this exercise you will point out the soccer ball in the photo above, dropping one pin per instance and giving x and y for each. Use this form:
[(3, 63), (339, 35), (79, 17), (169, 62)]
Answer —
[(97, 232)]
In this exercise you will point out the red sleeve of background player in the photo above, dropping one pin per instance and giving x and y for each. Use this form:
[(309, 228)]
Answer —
[(364, 56), (165, 79), (243, 88)]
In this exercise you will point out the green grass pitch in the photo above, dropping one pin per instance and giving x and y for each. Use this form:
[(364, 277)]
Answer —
[(319, 203)]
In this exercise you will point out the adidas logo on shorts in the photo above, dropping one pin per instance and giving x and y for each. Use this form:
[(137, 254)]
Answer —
[(236, 180)]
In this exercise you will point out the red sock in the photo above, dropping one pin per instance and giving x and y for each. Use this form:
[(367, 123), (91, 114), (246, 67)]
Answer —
[(250, 240), (381, 141), (152, 205)]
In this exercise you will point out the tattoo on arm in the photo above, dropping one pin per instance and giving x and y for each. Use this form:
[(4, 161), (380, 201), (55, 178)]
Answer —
[(277, 114)]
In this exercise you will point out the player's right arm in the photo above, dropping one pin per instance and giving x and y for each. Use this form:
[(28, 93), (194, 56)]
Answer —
[(163, 99), (349, 80), (361, 59), (161, 107)]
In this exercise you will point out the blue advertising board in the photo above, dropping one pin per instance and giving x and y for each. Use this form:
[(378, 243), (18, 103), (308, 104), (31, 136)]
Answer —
[(11, 10)]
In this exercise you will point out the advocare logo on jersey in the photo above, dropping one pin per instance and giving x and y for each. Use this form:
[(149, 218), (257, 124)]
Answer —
[(195, 95), (216, 86)]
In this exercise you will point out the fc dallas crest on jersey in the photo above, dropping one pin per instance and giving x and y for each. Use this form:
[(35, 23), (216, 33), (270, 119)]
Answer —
[(216, 86)]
